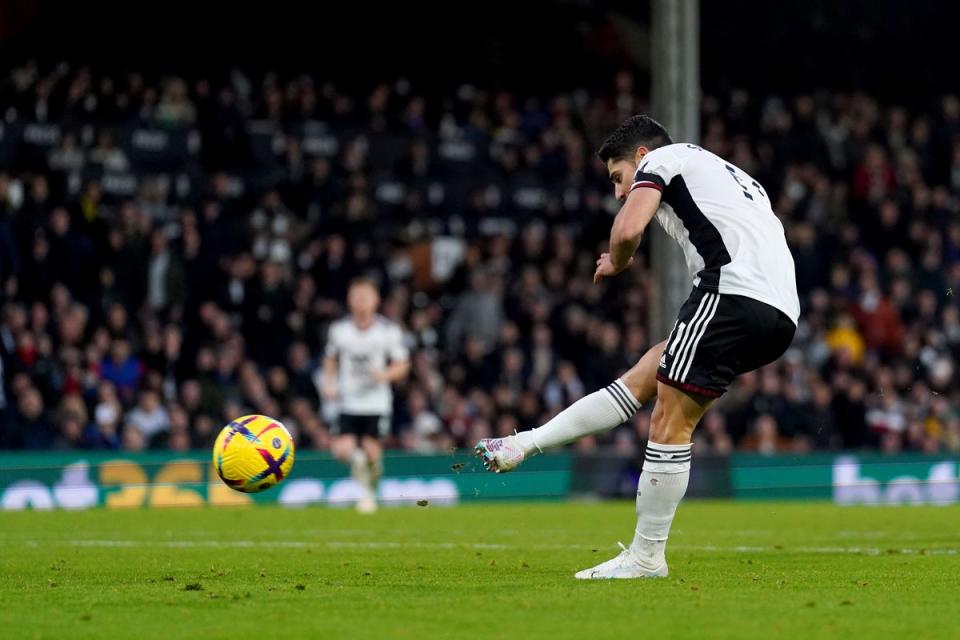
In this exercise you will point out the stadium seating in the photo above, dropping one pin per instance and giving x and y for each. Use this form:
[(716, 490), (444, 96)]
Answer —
[(173, 251)]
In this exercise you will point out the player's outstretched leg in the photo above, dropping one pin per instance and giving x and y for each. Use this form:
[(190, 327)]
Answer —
[(600, 411), (663, 482)]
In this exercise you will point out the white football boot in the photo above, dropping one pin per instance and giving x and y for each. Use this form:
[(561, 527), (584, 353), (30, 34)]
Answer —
[(500, 454), (367, 503), (625, 566)]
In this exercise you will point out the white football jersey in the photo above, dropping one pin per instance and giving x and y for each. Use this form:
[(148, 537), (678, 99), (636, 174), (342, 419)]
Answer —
[(359, 353), (732, 241)]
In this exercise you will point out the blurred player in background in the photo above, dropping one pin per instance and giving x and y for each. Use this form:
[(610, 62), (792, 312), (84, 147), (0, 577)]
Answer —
[(365, 354), (741, 315)]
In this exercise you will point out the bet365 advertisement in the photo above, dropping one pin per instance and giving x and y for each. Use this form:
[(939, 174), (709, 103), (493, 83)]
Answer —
[(118, 480)]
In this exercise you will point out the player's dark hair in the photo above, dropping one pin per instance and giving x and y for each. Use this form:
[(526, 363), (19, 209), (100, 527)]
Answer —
[(635, 131)]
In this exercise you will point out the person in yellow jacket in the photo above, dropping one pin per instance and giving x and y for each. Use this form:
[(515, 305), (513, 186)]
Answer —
[(845, 337)]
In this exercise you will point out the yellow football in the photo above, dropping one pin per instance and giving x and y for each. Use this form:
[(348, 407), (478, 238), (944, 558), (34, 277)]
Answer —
[(253, 453)]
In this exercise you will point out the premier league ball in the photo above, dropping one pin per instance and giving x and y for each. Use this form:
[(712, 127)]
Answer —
[(253, 453)]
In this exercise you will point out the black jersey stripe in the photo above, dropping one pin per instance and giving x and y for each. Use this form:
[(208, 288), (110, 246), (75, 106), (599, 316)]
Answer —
[(704, 236)]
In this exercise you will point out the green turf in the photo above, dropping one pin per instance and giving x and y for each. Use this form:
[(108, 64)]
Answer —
[(760, 570)]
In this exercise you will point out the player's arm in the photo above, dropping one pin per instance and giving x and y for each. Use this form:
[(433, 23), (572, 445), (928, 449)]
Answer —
[(627, 230), (399, 355), (630, 223), (330, 368), (395, 371)]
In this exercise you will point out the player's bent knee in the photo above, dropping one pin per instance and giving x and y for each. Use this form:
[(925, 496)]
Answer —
[(641, 379)]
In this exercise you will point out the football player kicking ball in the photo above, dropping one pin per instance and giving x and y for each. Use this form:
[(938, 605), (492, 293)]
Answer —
[(365, 354), (741, 315)]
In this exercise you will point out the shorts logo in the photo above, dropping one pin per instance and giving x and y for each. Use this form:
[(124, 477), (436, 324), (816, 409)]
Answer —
[(663, 361)]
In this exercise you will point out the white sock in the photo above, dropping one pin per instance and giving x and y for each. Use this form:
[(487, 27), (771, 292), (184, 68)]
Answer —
[(600, 411), (663, 481), (358, 458), (359, 469), (376, 470)]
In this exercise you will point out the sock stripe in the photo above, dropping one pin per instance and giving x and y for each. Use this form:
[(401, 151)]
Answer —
[(629, 396), (622, 399), (618, 404), (619, 396), (673, 449), (668, 454), (669, 460), (619, 384)]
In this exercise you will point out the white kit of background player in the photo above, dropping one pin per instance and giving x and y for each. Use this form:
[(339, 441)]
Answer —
[(365, 354), (741, 315)]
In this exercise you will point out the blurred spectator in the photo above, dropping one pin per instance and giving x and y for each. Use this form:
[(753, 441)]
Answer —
[(477, 315), (149, 417), (424, 433), (172, 255), (30, 427), (122, 368)]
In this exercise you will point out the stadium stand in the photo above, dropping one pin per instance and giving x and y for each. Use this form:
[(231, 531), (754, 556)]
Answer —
[(172, 250)]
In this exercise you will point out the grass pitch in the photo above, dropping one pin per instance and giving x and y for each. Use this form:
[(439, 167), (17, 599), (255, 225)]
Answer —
[(760, 570)]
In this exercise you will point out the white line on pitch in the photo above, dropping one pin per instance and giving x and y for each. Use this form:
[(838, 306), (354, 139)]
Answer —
[(338, 544)]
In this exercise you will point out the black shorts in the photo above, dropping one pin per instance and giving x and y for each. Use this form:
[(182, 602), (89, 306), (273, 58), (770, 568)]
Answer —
[(719, 336), (371, 426)]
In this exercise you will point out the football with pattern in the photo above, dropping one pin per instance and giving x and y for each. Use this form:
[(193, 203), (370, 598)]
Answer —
[(253, 453)]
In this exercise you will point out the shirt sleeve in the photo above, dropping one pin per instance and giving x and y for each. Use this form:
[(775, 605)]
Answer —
[(657, 169), (398, 349)]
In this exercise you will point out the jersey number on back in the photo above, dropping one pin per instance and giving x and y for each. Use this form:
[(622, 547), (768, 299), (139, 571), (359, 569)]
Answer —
[(746, 191)]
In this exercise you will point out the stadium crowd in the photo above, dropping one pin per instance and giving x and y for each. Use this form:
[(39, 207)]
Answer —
[(172, 251)]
